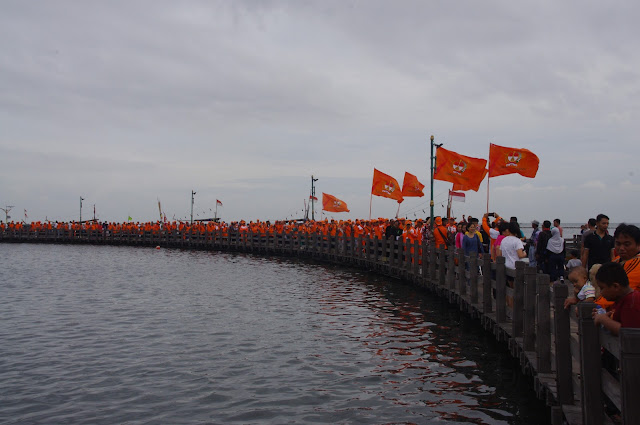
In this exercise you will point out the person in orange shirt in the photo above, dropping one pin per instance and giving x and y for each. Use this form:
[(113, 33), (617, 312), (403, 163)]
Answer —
[(627, 245), (492, 231), (440, 234)]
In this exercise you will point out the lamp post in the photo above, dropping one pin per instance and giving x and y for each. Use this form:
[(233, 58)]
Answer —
[(433, 166), (192, 194), (313, 198), (6, 210)]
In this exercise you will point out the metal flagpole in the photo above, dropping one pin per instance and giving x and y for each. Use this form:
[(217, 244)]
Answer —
[(433, 165), (488, 178), (313, 198), (192, 194)]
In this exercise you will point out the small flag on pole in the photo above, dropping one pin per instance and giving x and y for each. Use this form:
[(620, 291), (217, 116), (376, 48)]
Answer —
[(218, 202), (457, 196), (332, 204)]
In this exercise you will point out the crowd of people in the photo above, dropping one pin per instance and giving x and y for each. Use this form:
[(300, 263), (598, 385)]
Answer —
[(605, 269)]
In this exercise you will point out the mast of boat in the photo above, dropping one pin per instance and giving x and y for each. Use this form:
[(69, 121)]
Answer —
[(81, 199)]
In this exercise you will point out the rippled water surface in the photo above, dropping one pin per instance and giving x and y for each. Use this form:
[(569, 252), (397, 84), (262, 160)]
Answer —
[(106, 335)]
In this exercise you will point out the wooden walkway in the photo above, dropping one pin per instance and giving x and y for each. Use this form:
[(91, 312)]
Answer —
[(560, 349)]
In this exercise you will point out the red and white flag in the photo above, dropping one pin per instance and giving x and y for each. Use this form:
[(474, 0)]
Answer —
[(456, 196), (218, 202)]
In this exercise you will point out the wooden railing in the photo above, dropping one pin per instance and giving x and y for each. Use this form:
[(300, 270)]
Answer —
[(559, 348)]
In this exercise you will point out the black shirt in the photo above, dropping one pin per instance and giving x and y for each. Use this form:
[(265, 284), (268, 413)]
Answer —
[(599, 248)]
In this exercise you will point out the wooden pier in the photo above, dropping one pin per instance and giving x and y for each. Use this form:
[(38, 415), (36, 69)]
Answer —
[(560, 349)]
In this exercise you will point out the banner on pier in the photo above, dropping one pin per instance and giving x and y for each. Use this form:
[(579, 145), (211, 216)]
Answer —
[(504, 160), (411, 186), (465, 171), (332, 204), (386, 186), (475, 186)]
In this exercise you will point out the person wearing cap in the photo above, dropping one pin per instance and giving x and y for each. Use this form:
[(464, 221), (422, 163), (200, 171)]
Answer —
[(533, 240), (440, 234)]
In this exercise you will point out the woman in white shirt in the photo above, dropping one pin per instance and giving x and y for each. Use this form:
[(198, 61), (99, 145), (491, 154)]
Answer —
[(511, 247)]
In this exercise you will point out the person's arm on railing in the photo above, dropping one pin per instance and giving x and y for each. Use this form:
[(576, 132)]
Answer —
[(606, 320)]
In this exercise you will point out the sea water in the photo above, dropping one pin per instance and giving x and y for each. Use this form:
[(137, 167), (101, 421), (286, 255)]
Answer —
[(105, 335)]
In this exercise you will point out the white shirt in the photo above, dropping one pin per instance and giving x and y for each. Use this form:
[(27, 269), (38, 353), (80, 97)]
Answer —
[(509, 247)]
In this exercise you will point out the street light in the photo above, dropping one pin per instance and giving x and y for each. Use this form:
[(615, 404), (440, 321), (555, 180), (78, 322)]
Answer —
[(433, 166), (313, 198), (6, 210), (192, 194)]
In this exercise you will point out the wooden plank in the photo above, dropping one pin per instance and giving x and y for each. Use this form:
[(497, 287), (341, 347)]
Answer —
[(592, 403), (543, 330), (562, 342), (630, 374), (517, 315), (501, 284)]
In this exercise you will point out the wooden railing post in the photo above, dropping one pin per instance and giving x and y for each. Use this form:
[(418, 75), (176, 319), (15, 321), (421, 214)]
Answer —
[(564, 372), (543, 326), (449, 258), (442, 267), (487, 296), (473, 278), (376, 252), (630, 374), (529, 337), (590, 366), (501, 285), (462, 271), (416, 259), (432, 263), (518, 300)]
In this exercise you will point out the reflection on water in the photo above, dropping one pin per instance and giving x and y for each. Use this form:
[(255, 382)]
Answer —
[(113, 335)]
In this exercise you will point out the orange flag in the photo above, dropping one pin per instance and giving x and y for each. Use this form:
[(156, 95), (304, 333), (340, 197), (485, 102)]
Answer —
[(464, 187), (386, 186), (504, 160), (332, 204), (464, 171), (411, 186)]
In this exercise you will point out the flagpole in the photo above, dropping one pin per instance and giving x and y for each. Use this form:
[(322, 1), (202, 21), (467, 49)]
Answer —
[(397, 212), (488, 177), (370, 203), (431, 175), (488, 180)]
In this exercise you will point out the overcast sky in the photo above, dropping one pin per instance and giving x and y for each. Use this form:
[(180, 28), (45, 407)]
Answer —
[(127, 102)]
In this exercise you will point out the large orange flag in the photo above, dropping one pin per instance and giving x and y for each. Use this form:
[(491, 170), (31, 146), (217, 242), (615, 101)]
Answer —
[(464, 187), (504, 160), (386, 186), (411, 186), (459, 169), (332, 204)]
